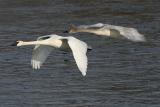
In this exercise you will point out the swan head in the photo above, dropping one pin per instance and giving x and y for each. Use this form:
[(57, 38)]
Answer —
[(72, 29), (17, 43)]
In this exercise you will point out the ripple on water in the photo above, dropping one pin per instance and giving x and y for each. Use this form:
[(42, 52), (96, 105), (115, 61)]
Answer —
[(120, 72)]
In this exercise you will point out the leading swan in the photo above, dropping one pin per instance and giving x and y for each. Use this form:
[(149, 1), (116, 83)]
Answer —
[(109, 30), (44, 46)]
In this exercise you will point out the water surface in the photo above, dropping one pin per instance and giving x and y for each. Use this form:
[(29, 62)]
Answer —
[(120, 73)]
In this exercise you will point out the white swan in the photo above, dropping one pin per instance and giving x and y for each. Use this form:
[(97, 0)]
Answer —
[(44, 46), (109, 30)]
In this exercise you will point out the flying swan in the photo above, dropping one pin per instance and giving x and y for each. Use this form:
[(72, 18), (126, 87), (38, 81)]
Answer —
[(109, 30), (45, 44)]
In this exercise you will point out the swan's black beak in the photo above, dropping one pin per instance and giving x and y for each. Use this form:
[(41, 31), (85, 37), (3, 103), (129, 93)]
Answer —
[(66, 31), (14, 43)]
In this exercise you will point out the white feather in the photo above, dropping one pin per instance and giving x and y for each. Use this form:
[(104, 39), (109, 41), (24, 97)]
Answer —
[(39, 55), (79, 50), (90, 26), (129, 33)]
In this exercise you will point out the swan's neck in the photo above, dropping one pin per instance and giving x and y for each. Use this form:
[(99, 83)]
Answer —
[(105, 32), (54, 43), (23, 43)]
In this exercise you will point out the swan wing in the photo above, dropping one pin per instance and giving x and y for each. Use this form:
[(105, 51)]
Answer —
[(97, 25), (129, 33), (39, 55), (79, 50), (133, 35), (94, 26)]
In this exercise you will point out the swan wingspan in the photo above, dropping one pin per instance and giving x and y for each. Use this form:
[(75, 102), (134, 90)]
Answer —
[(79, 50), (113, 31), (45, 44), (40, 54)]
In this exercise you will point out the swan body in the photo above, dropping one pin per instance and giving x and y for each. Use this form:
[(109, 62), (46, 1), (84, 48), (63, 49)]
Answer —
[(45, 44), (109, 30)]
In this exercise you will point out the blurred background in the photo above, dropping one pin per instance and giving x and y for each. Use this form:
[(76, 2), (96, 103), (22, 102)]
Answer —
[(120, 73)]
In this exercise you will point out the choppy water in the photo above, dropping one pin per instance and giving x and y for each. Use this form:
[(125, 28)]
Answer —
[(120, 73)]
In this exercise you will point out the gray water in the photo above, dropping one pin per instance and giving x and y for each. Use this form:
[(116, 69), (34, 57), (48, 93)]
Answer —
[(120, 73)]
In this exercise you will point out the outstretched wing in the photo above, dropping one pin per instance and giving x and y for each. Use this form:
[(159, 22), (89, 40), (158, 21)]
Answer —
[(41, 52), (129, 33), (79, 50), (94, 26), (39, 55), (133, 35)]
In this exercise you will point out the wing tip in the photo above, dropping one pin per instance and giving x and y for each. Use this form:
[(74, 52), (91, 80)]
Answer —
[(140, 39), (84, 74), (35, 64)]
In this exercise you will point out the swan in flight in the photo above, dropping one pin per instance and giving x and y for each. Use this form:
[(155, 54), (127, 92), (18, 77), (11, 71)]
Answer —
[(44, 46), (109, 30)]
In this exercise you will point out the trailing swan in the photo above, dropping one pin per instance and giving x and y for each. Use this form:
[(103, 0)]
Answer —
[(44, 46), (109, 30)]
